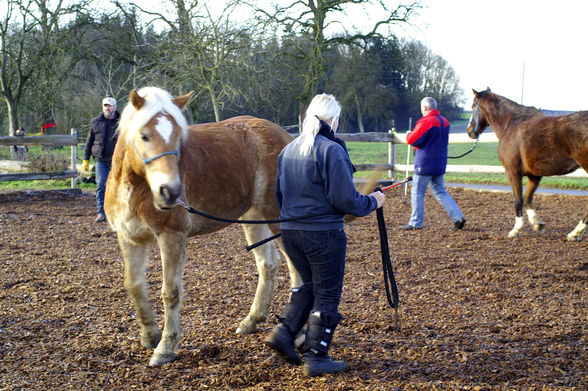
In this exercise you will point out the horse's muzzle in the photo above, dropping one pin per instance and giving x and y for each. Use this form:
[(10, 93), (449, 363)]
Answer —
[(169, 195)]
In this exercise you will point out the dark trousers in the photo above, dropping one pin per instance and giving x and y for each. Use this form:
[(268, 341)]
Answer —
[(319, 258)]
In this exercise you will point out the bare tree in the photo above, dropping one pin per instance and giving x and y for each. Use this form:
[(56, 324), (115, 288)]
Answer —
[(200, 50), (314, 18), (27, 35)]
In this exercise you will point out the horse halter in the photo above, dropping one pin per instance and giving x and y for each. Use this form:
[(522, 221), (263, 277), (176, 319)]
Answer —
[(147, 161), (477, 116)]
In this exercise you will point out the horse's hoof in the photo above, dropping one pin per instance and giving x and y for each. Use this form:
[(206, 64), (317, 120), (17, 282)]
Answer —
[(539, 227), (574, 238), (160, 359), (247, 326), (512, 234), (151, 339)]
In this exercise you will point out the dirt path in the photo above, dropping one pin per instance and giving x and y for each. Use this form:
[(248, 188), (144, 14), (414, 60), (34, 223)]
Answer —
[(477, 308)]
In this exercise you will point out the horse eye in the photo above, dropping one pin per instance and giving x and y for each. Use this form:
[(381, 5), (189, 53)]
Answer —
[(144, 137)]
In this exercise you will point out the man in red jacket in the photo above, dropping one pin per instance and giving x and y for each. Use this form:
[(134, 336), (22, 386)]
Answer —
[(430, 138)]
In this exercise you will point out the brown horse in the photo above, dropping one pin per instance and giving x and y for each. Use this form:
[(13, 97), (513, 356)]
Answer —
[(227, 169), (534, 145)]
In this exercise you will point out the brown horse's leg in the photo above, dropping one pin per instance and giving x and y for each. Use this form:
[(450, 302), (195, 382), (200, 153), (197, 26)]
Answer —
[(534, 220), (172, 246), (267, 261), (134, 256), (576, 234), (516, 184)]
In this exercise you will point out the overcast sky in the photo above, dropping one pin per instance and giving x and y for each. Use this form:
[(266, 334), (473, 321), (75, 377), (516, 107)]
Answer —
[(489, 43)]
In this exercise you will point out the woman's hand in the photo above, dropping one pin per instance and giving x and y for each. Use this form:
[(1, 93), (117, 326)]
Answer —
[(380, 198)]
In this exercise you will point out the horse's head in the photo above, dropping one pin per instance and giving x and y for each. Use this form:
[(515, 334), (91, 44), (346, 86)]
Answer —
[(154, 129), (478, 121)]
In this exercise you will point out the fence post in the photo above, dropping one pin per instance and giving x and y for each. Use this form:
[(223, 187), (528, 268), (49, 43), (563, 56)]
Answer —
[(392, 154), (74, 158)]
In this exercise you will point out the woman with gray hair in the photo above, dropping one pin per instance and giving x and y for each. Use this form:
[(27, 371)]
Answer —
[(315, 178)]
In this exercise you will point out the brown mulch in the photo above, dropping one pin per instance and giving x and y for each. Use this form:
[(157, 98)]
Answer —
[(478, 311)]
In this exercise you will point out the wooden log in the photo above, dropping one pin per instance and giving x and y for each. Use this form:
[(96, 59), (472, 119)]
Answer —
[(59, 139), (32, 176)]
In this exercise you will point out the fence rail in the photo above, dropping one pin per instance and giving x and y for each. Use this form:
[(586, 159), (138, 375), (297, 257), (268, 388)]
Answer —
[(392, 138), (59, 140)]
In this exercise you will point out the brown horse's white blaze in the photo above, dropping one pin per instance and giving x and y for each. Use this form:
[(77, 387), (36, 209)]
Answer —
[(534, 145), (227, 169)]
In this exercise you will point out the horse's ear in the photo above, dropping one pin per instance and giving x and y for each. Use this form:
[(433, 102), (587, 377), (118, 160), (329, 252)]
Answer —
[(137, 100), (488, 89), (182, 101), (476, 93)]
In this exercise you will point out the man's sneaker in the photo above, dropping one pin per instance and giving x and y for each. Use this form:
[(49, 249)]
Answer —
[(408, 227), (100, 217), (459, 224)]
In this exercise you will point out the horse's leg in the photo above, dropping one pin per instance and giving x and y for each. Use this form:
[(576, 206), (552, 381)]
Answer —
[(134, 256), (534, 220), (267, 261), (576, 234), (173, 255), (295, 280), (516, 183)]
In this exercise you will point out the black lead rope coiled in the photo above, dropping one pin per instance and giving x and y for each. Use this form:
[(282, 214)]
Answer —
[(389, 280)]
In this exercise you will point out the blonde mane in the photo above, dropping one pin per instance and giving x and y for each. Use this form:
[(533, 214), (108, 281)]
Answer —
[(156, 101)]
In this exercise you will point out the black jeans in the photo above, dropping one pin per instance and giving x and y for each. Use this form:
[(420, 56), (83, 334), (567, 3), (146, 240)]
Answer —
[(319, 258)]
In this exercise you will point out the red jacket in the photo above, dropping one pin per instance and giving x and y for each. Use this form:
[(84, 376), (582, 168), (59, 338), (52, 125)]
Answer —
[(430, 138)]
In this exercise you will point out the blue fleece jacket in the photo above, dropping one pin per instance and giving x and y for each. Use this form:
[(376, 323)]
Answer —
[(318, 184), (430, 138)]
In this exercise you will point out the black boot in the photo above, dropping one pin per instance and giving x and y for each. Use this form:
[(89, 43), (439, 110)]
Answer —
[(319, 335), (282, 337)]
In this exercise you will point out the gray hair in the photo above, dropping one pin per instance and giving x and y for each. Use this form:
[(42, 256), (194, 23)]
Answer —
[(429, 103)]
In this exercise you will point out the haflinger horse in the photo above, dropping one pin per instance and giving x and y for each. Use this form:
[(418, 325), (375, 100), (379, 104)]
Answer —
[(534, 145), (227, 169)]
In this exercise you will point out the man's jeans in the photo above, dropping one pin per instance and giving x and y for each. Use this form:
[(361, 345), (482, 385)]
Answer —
[(319, 258), (419, 188), (102, 170)]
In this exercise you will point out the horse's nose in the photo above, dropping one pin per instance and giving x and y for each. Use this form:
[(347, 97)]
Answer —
[(170, 194)]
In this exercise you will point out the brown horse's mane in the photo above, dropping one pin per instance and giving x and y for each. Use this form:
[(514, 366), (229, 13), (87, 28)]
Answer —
[(505, 105)]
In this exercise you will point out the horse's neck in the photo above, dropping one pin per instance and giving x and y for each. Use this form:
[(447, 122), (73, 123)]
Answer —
[(502, 114)]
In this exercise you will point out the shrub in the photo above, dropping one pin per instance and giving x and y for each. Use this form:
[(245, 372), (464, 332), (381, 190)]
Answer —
[(47, 162)]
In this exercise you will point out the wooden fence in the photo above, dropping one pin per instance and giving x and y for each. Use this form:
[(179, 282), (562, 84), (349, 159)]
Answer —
[(51, 140), (392, 166)]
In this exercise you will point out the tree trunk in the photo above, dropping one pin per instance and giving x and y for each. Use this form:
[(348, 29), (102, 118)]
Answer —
[(13, 124), (359, 114), (217, 115)]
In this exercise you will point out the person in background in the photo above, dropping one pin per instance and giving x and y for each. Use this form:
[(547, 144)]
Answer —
[(100, 144), (315, 178), (20, 151), (430, 138)]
